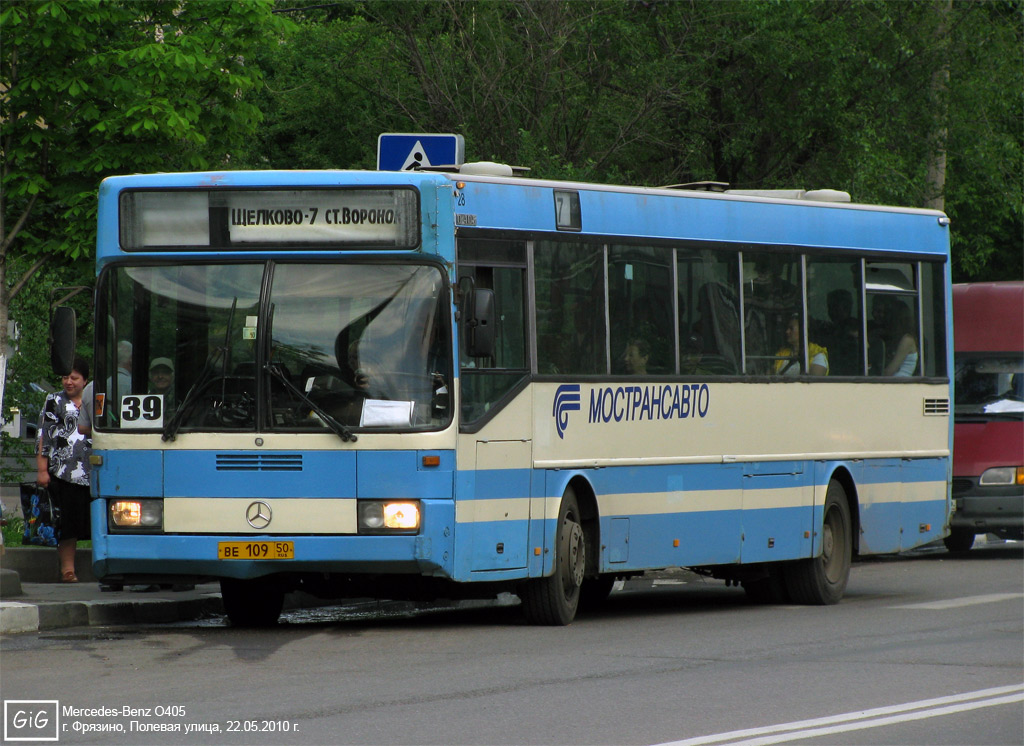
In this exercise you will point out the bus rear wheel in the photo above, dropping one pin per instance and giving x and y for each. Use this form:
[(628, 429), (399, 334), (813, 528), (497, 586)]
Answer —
[(252, 603), (553, 600), (821, 580)]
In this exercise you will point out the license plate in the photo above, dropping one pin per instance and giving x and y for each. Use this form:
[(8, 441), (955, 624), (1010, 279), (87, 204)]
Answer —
[(255, 550)]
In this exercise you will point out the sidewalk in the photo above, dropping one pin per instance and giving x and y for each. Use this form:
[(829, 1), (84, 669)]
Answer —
[(43, 606), (31, 599)]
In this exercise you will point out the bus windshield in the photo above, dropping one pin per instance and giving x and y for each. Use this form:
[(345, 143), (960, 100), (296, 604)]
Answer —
[(989, 385), (266, 346)]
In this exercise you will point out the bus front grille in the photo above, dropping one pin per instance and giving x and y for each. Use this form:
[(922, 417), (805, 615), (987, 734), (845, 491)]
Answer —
[(259, 462)]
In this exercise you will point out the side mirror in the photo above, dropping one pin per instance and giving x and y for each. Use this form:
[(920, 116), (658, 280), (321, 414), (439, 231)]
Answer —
[(481, 324), (63, 327)]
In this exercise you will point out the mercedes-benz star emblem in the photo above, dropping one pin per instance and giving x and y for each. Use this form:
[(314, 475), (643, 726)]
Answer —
[(258, 514)]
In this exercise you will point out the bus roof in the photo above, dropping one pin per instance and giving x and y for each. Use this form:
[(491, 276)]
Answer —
[(515, 203), (988, 317)]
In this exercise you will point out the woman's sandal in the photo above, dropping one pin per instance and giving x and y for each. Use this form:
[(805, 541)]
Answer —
[(69, 577)]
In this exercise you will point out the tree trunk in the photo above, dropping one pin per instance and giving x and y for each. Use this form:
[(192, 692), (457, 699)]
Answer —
[(936, 176)]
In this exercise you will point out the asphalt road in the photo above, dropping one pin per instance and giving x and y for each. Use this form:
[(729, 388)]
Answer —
[(926, 648)]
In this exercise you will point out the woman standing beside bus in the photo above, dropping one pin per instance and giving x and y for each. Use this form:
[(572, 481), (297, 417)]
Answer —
[(62, 464)]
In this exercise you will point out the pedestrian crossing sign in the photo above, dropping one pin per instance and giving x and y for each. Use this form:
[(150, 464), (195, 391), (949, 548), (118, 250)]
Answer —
[(414, 152)]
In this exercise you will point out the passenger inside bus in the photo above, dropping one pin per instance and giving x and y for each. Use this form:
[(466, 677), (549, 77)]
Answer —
[(789, 359), (635, 357), (900, 339), (841, 335)]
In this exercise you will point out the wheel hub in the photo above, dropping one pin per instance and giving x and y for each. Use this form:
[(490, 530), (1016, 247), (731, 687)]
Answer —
[(574, 556)]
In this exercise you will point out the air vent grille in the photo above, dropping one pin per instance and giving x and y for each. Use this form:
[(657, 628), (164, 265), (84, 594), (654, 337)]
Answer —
[(936, 406), (259, 462)]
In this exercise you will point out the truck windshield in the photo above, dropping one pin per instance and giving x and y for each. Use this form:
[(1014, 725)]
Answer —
[(273, 346), (989, 385)]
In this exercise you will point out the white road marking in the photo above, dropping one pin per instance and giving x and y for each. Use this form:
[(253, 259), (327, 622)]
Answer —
[(954, 603), (874, 718)]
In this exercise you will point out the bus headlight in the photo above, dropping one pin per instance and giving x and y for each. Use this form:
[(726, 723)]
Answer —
[(387, 516), (140, 514), (1002, 475)]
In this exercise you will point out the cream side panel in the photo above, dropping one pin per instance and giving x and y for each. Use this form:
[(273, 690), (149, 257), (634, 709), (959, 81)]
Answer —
[(289, 516), (750, 422), (480, 511), (875, 494), (276, 442), (655, 503), (513, 423), (922, 492)]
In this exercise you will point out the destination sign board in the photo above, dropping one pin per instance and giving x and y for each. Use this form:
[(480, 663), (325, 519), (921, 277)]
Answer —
[(281, 218)]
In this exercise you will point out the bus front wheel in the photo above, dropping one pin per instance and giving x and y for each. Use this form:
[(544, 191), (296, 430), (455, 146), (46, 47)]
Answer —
[(821, 580), (553, 600), (252, 603)]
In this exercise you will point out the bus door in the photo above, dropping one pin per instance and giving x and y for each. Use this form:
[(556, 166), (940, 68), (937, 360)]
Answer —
[(778, 498), (501, 505)]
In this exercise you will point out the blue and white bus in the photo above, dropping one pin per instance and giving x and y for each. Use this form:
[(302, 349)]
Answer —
[(421, 385)]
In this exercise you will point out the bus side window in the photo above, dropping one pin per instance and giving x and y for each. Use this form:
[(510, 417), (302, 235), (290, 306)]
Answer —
[(709, 321), (570, 308), (499, 266), (640, 310), (835, 313), (771, 296)]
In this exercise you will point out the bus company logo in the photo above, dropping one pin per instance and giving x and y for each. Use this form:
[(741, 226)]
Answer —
[(258, 514), (31, 720), (567, 399)]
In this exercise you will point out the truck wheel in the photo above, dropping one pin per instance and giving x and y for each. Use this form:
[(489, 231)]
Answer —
[(821, 580), (553, 600), (959, 540), (252, 603)]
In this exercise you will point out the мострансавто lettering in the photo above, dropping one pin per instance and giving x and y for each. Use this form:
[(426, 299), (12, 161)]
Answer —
[(651, 402), (299, 216)]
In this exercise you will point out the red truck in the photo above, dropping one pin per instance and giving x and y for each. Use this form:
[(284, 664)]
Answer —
[(988, 434)]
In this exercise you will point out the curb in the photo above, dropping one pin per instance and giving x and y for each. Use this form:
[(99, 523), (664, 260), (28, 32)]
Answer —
[(34, 611), (18, 617)]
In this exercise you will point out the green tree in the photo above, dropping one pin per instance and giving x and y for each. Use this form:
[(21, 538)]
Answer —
[(91, 88), (759, 94)]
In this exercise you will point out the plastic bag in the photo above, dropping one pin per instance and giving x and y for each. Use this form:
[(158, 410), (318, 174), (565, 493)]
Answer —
[(42, 516)]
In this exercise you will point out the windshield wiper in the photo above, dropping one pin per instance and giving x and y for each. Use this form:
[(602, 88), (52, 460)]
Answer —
[(191, 397), (171, 428), (336, 427)]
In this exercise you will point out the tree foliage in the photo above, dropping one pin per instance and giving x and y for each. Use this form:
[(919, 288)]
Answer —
[(759, 94), (90, 88), (898, 103)]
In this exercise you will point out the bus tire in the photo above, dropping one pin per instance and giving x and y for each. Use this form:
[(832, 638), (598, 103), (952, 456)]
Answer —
[(553, 600), (959, 540), (821, 580), (252, 603)]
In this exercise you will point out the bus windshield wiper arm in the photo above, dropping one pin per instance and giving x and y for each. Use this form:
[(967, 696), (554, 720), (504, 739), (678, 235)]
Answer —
[(192, 396), (336, 427), (171, 429)]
